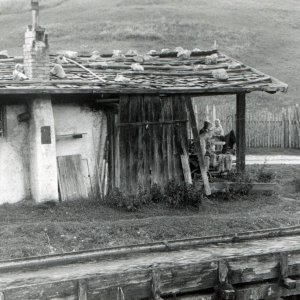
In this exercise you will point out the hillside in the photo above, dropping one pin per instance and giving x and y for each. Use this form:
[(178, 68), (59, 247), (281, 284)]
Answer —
[(263, 34)]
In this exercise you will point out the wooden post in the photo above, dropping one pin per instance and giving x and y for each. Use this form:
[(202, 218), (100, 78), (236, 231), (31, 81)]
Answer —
[(155, 285), (198, 147), (82, 290), (284, 272), (225, 290), (241, 130), (111, 134)]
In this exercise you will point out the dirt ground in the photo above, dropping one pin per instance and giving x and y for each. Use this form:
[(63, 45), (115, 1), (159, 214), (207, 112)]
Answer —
[(28, 230)]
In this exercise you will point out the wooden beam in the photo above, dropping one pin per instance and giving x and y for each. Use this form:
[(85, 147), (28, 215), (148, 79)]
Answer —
[(155, 285), (225, 290), (197, 143), (241, 130), (191, 274), (82, 290), (154, 247), (111, 149), (284, 271), (118, 89), (255, 291)]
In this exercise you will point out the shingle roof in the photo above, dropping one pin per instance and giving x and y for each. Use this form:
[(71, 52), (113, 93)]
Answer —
[(163, 73)]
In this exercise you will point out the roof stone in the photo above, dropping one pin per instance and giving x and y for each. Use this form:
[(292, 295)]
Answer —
[(160, 73)]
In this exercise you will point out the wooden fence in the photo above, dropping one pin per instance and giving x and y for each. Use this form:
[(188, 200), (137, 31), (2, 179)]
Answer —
[(264, 128)]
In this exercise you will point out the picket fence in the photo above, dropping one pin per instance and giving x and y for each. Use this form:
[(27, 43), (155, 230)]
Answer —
[(264, 128)]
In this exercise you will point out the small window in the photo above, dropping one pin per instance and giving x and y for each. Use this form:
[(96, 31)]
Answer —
[(2, 121)]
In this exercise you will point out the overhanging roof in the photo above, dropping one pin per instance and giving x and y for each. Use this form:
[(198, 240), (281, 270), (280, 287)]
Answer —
[(163, 74)]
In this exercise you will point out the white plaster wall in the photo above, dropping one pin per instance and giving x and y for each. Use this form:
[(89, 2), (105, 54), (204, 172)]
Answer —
[(43, 166), (14, 158), (75, 119)]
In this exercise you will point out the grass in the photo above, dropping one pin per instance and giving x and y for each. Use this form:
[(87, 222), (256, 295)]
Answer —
[(263, 34), (29, 230), (8, 7)]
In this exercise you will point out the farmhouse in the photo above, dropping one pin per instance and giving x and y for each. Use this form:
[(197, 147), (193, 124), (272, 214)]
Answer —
[(76, 125)]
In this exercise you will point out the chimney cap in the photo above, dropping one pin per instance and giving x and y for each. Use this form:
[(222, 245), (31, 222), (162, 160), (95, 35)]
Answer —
[(35, 4)]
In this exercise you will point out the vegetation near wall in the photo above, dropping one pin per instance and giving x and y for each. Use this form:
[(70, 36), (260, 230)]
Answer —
[(174, 195)]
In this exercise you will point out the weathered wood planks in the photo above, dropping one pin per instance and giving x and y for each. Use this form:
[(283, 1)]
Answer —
[(197, 143), (70, 178), (241, 131), (192, 270), (153, 136), (251, 292)]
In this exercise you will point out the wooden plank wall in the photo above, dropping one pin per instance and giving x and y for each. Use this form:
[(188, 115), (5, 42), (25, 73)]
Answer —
[(152, 136), (70, 178), (264, 128)]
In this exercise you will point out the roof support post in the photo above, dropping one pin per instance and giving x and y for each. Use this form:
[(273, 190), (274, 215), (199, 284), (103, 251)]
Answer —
[(241, 130), (197, 143)]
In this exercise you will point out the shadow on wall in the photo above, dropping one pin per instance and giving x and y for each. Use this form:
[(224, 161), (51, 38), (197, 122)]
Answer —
[(14, 158), (77, 133)]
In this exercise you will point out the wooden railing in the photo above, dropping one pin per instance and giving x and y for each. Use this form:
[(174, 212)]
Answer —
[(264, 128)]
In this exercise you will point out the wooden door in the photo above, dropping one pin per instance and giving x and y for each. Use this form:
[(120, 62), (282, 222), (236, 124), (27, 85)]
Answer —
[(152, 136), (70, 178)]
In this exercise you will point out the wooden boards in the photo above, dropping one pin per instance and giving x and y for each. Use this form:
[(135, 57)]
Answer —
[(241, 131), (257, 291), (252, 262), (153, 136), (70, 178), (197, 143)]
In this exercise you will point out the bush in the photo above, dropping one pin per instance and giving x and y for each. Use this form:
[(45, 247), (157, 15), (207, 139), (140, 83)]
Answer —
[(156, 195), (117, 199), (296, 183), (177, 195), (265, 175), (239, 177), (181, 195)]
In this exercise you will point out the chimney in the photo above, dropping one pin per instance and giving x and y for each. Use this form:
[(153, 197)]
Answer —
[(36, 48)]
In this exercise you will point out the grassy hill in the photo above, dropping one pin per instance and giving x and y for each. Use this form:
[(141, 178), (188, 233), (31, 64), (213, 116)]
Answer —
[(263, 34)]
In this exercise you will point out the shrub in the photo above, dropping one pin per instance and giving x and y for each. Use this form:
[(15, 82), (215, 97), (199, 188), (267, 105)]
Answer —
[(182, 195), (239, 177), (117, 199), (156, 195), (265, 175), (177, 195), (296, 183)]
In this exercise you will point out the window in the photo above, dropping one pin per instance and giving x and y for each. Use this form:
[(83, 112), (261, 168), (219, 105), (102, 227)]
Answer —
[(2, 121)]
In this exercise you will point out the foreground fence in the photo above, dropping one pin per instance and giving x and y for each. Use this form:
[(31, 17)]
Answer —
[(264, 129), (261, 264)]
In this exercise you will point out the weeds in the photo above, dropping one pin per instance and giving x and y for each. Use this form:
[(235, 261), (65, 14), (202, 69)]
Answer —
[(264, 175), (175, 195), (116, 198), (296, 183), (243, 179), (179, 195)]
